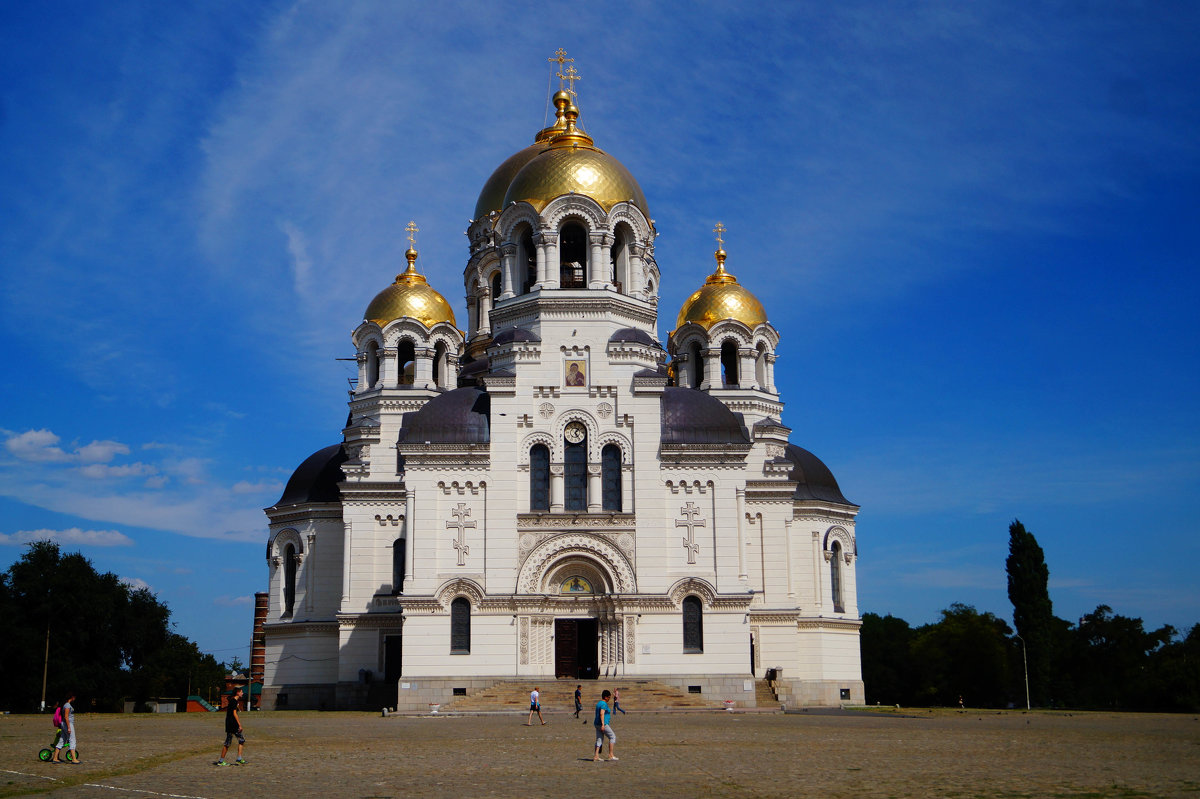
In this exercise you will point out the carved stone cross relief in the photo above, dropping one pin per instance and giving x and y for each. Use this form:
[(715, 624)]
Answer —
[(461, 513)]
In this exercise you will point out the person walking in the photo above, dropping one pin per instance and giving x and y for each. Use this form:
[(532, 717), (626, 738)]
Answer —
[(617, 701), (67, 739), (535, 706), (603, 722), (233, 726), (578, 700)]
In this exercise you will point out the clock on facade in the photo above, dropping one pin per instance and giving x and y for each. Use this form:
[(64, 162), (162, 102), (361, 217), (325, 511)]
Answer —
[(575, 432)]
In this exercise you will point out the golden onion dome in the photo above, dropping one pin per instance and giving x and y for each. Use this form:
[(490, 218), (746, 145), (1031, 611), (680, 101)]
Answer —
[(491, 198), (721, 297), (568, 163), (411, 296)]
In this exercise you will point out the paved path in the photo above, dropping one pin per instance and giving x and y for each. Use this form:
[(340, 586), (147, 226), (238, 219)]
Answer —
[(302, 755)]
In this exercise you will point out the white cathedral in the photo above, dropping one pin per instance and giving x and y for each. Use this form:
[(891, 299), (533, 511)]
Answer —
[(552, 494)]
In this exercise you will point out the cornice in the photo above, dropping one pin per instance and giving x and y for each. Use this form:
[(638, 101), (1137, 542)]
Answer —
[(287, 629)]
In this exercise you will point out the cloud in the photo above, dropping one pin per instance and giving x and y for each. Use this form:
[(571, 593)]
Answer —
[(73, 536), (102, 471), (261, 487), (233, 601), (135, 584), (41, 446)]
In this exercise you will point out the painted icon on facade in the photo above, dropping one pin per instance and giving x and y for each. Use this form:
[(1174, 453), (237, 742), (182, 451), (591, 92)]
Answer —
[(576, 372)]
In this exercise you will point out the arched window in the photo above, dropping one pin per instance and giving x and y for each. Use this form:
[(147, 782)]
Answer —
[(398, 550), (441, 363), (460, 627), (526, 264), (372, 366), (835, 576), (572, 257), (289, 580), (619, 256), (539, 477), (696, 364), (496, 288), (693, 626), (729, 363), (760, 366), (575, 476), (406, 362), (610, 478)]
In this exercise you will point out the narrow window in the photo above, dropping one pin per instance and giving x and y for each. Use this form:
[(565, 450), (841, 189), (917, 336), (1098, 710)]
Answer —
[(729, 363), (289, 580), (496, 289), (696, 364), (527, 263), (406, 362), (575, 476), (572, 257), (539, 477), (693, 626), (372, 366), (398, 550), (610, 477), (460, 627), (835, 576)]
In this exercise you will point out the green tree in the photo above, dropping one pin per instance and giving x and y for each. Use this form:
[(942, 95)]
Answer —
[(887, 664), (964, 654), (1033, 614), (1112, 658)]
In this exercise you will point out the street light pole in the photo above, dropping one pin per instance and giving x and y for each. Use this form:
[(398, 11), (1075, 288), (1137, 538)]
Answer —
[(1025, 663)]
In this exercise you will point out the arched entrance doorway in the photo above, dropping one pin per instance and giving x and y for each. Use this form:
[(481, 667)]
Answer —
[(577, 637)]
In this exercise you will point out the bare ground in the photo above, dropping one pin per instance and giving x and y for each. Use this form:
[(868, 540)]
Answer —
[(913, 753)]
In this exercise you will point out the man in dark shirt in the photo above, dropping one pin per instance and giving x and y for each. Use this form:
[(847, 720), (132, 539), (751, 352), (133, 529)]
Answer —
[(233, 726)]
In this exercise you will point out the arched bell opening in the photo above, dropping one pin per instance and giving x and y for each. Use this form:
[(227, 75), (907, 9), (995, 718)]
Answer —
[(572, 256)]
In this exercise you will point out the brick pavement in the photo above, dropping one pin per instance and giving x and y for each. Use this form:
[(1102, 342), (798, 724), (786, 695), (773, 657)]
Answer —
[(304, 755)]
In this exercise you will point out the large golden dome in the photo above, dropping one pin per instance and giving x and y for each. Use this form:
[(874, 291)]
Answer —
[(721, 297), (411, 296), (563, 159)]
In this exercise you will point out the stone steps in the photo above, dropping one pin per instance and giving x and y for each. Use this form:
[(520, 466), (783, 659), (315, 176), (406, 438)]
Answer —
[(764, 695), (558, 696)]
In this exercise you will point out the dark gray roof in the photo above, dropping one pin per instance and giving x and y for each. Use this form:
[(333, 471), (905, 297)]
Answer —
[(635, 336), (813, 478), (515, 334), (316, 479), (693, 417), (461, 416)]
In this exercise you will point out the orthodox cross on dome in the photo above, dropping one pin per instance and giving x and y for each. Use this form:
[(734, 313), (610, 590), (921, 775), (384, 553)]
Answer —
[(560, 56), (570, 75), (691, 520), (719, 229), (461, 524), (412, 229)]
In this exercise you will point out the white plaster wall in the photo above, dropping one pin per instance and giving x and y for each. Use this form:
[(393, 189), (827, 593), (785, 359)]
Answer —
[(427, 647), (301, 658), (726, 645)]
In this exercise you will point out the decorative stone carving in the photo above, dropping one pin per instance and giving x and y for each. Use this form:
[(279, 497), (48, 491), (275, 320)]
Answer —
[(461, 525), (691, 520), (604, 409), (545, 410)]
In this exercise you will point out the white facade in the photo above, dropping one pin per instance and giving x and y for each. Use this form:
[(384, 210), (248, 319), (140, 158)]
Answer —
[(494, 512)]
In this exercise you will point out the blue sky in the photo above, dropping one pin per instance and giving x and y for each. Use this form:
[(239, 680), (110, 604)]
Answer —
[(975, 226)]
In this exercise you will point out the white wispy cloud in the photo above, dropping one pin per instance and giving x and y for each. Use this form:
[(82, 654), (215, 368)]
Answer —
[(72, 536), (233, 601), (136, 583), (41, 446)]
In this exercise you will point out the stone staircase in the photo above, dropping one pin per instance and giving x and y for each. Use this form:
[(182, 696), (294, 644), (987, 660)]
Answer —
[(764, 694), (558, 696)]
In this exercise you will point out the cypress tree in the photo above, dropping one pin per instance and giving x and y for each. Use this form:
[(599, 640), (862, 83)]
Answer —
[(1033, 615)]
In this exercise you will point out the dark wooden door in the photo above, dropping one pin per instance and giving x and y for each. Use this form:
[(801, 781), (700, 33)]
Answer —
[(566, 648)]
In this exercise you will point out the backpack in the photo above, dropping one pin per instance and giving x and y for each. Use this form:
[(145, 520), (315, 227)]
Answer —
[(58, 719)]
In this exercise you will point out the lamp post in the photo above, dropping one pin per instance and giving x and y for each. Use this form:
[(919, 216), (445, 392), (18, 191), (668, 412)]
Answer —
[(1025, 663)]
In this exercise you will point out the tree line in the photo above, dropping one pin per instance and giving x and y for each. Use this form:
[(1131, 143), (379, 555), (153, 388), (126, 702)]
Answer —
[(1105, 661), (108, 642)]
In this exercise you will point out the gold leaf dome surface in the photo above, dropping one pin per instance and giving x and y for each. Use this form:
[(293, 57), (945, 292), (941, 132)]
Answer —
[(721, 297), (491, 198), (575, 168), (411, 296)]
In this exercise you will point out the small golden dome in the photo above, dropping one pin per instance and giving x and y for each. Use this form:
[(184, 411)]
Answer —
[(721, 297), (411, 296)]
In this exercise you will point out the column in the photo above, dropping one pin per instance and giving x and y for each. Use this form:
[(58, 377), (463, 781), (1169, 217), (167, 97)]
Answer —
[(423, 369), (594, 489), (627, 488), (818, 568), (787, 540), (556, 487), (741, 537), (747, 374), (485, 310), (597, 264), (410, 505), (712, 369), (310, 576), (362, 386), (347, 548), (637, 270), (387, 368), (770, 373), (472, 316), (548, 265), (508, 271)]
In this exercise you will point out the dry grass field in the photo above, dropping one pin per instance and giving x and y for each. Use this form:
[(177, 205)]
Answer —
[(888, 753)]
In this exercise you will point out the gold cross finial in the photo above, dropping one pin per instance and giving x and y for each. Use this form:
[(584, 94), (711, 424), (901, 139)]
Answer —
[(719, 229), (412, 229), (570, 76), (560, 55)]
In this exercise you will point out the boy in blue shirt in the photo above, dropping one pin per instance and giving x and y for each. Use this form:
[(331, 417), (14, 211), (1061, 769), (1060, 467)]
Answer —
[(603, 729)]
